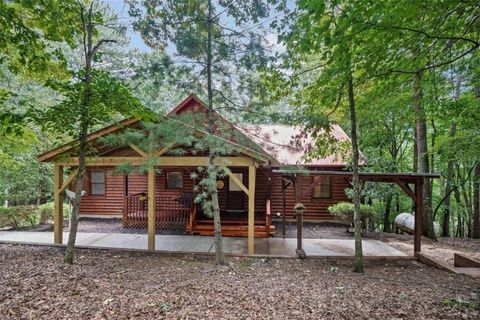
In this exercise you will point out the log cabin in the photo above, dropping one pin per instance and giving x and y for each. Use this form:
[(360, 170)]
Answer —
[(250, 194)]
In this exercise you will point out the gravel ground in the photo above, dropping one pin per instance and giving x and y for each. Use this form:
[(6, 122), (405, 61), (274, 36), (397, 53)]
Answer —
[(35, 284)]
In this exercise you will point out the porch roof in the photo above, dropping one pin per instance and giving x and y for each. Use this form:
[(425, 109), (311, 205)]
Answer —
[(365, 176)]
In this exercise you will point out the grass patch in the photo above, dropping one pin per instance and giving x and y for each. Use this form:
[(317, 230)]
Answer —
[(461, 304)]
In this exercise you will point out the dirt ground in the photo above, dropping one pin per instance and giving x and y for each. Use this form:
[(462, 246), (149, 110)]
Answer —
[(35, 284)]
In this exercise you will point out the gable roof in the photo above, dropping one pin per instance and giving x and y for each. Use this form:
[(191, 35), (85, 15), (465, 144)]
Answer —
[(190, 103), (279, 143)]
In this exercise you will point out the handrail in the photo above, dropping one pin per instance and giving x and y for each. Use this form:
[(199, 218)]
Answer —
[(268, 214), (192, 219)]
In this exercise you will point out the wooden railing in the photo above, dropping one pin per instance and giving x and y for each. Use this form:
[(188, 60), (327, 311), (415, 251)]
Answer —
[(268, 214), (135, 211), (192, 221), (171, 212)]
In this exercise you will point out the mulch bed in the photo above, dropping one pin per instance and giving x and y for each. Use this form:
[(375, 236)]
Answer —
[(35, 284)]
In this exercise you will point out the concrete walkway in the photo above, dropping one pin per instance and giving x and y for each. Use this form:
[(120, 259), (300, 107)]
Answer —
[(201, 244)]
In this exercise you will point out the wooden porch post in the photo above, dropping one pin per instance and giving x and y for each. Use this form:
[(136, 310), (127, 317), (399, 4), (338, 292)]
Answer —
[(418, 215), (58, 198), (284, 205), (298, 198), (251, 209), (151, 208)]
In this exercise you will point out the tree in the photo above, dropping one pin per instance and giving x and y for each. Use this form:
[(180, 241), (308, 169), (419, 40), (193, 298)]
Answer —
[(92, 97), (204, 35), (324, 55), (31, 38)]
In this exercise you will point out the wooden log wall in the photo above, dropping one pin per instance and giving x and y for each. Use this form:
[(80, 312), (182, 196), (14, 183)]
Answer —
[(111, 204), (317, 209)]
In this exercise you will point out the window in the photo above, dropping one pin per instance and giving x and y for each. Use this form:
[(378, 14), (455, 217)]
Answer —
[(97, 183), (232, 185), (174, 180), (322, 187)]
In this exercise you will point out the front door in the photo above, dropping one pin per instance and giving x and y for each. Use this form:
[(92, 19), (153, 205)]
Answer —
[(236, 196)]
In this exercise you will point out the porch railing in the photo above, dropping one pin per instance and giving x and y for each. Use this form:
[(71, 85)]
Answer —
[(268, 213), (171, 212)]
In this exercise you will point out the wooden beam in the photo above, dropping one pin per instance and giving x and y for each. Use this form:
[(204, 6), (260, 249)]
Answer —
[(138, 150), (464, 261), (92, 136), (69, 180), (251, 208), (164, 149), (151, 208), (58, 213), (284, 204), (163, 161), (406, 188), (238, 182), (435, 263), (297, 184)]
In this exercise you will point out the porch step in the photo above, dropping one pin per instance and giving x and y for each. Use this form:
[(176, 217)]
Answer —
[(261, 231)]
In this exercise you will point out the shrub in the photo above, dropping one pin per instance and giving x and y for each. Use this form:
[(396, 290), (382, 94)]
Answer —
[(344, 211), (46, 211), (19, 216)]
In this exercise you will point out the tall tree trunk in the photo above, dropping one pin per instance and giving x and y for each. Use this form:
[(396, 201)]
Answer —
[(386, 216), (448, 190), (465, 188), (459, 210), (212, 170), (476, 187), (357, 219), (84, 123), (415, 150), (476, 203), (422, 154)]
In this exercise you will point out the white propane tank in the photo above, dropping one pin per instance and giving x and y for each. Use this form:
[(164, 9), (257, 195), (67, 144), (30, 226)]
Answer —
[(406, 222)]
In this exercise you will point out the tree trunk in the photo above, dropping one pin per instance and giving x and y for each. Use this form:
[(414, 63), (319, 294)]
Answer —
[(448, 190), (386, 216), (465, 188), (458, 201), (355, 181), (422, 154), (476, 188), (84, 123), (217, 225), (476, 203)]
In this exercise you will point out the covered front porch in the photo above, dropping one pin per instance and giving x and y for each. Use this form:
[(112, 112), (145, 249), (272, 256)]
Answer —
[(182, 214), (157, 209)]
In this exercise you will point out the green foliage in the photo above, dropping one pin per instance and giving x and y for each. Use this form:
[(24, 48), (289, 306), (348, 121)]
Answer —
[(29, 215), (344, 210), (461, 304), (238, 48), (109, 98)]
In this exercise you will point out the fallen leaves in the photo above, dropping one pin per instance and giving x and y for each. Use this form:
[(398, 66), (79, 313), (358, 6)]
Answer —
[(35, 284)]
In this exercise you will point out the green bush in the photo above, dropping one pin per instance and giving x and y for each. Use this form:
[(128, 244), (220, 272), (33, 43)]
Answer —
[(20, 216), (344, 211), (46, 211)]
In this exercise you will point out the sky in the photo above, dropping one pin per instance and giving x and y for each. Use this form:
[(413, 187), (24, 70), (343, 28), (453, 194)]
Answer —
[(121, 8), (136, 41)]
